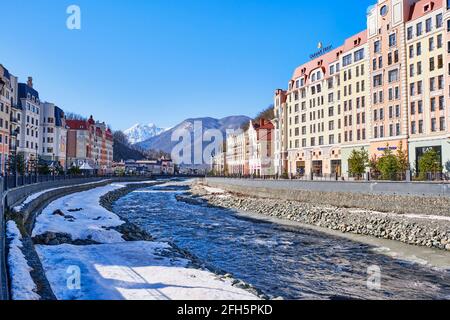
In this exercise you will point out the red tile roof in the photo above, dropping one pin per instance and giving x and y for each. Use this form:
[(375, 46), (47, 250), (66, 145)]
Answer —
[(417, 10), (77, 124), (325, 60)]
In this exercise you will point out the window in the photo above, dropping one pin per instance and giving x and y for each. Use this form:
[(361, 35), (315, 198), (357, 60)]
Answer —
[(428, 25), (419, 49), (431, 44), (413, 127), (413, 108), (419, 29), (432, 64), (420, 126), (377, 80), (410, 33), (433, 125), (439, 20), (377, 46), (347, 60), (393, 75), (359, 55), (392, 40), (442, 123)]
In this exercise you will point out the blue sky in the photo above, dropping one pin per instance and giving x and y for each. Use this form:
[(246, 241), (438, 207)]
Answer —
[(163, 61)]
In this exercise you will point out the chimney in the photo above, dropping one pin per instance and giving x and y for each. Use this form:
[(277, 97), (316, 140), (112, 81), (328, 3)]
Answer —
[(262, 122), (30, 82)]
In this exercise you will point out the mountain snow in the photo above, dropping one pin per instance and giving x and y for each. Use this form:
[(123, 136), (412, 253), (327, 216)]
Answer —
[(141, 132)]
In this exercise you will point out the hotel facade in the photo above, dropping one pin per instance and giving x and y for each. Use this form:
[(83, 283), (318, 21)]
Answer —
[(38, 131), (385, 87)]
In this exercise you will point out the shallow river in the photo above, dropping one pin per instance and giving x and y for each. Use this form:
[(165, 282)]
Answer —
[(281, 261)]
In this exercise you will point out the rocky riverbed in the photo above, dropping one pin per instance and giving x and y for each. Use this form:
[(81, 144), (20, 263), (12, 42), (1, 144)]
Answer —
[(421, 230)]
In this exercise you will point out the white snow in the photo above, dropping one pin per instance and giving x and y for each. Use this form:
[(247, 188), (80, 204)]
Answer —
[(409, 215), (38, 194), (115, 269), (131, 271), (214, 190), (22, 285), (88, 224)]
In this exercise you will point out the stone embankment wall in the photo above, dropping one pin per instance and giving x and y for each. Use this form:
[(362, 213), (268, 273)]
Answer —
[(379, 215), (419, 198)]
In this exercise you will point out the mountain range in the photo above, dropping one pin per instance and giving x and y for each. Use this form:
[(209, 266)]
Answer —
[(163, 141), (141, 132)]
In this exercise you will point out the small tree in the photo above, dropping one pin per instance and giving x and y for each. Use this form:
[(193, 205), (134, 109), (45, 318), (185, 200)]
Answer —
[(388, 165), (430, 162), (402, 157), (18, 163), (75, 171), (358, 162), (373, 165), (43, 167)]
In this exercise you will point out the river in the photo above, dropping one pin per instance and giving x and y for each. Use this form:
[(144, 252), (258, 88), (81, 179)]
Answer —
[(280, 260)]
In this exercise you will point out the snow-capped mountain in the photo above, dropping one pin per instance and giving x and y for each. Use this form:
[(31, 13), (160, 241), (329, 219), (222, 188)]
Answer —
[(141, 132), (164, 141)]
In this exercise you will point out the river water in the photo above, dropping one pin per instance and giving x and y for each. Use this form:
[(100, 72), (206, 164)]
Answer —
[(281, 261)]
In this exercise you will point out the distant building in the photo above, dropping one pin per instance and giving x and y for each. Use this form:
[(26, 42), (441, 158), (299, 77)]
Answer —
[(237, 154), (260, 148), (90, 142), (6, 98), (28, 117), (53, 134), (150, 167)]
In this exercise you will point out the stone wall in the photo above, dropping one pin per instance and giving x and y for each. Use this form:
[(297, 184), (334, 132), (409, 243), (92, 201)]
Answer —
[(427, 198)]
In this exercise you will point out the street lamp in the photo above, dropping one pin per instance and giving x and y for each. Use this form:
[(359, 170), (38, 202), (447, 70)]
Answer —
[(15, 134)]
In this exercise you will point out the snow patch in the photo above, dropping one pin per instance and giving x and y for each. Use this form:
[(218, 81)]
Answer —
[(22, 284), (90, 222), (132, 271), (36, 195)]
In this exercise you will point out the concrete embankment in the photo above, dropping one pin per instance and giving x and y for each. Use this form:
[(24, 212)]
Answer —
[(386, 216), (29, 201)]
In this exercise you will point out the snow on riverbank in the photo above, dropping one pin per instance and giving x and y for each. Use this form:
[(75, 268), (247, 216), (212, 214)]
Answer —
[(84, 218), (131, 271), (36, 195), (117, 269), (22, 285)]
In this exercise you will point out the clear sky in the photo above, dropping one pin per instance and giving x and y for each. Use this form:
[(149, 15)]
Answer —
[(163, 61)]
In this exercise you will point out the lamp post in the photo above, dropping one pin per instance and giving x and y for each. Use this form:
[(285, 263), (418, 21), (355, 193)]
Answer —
[(15, 134), (36, 162)]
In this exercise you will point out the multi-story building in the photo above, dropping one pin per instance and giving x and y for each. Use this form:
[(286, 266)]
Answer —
[(90, 143), (236, 153), (7, 88), (53, 135), (260, 149), (280, 161), (426, 53), (326, 107), (388, 74), (355, 121), (218, 161), (28, 117), (386, 87)]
